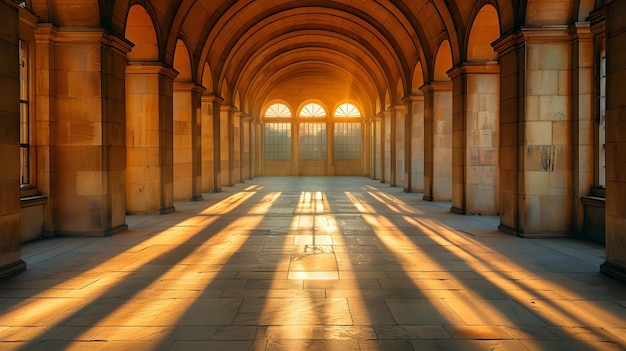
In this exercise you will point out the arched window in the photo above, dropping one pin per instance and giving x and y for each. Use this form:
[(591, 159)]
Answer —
[(347, 110), (313, 110), (278, 110), (347, 134), (277, 132)]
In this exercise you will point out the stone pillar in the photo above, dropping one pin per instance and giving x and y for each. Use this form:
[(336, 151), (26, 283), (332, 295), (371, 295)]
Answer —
[(582, 117), (398, 117), (149, 138), (46, 119), (236, 147), (475, 138), (211, 143), (246, 148), (366, 146), (391, 156), (10, 254), (379, 150), (388, 160), (187, 142), (437, 141), (88, 196), (536, 197), (330, 149), (615, 263), (226, 145), (414, 144)]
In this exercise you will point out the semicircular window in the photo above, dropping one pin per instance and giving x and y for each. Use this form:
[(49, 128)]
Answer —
[(277, 110), (313, 110), (347, 110)]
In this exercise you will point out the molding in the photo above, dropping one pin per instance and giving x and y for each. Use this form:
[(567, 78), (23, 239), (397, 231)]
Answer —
[(12, 269), (613, 271)]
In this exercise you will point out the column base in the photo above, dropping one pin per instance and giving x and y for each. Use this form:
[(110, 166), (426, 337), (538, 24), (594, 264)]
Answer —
[(12, 269), (167, 210), (106, 232), (508, 230), (613, 271), (427, 198), (457, 210), (197, 198)]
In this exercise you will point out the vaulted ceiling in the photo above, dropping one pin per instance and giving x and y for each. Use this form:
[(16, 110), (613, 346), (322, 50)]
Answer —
[(245, 48)]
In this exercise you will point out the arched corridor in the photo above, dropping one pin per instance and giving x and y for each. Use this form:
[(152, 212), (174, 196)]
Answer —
[(120, 118), (312, 263)]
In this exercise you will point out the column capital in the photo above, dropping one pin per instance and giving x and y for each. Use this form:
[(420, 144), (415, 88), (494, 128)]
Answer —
[(189, 86), (413, 98), (151, 68), (212, 98), (487, 67), (530, 34), (229, 108), (436, 86)]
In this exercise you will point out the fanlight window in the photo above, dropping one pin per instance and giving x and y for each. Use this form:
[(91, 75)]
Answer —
[(347, 110), (278, 110), (313, 110)]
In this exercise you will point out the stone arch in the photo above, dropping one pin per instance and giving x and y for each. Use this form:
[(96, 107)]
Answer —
[(182, 61), (140, 30), (225, 93), (485, 29), (443, 61), (207, 78), (418, 79)]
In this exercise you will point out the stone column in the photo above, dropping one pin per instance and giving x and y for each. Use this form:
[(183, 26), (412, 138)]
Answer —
[(414, 144), (536, 132), (245, 141), (389, 146), (149, 138), (236, 146), (211, 106), (615, 263), (379, 148), (475, 138), (226, 144), (582, 117), (437, 141), (10, 253), (88, 197), (187, 141), (330, 148), (366, 146), (46, 120), (398, 117)]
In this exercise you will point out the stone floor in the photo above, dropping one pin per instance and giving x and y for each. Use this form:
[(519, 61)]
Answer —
[(312, 263)]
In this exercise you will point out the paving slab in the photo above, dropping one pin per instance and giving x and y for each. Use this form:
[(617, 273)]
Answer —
[(312, 263)]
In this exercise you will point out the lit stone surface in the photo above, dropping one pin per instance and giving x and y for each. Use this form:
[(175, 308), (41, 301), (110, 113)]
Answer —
[(240, 271)]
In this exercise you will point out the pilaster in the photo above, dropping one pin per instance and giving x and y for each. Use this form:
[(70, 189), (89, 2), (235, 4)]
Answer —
[(10, 252), (475, 138), (414, 143), (88, 195), (150, 138), (583, 123), (437, 140), (536, 197), (615, 264), (187, 141)]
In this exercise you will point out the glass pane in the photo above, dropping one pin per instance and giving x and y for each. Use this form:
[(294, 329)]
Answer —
[(313, 110), (347, 141), (347, 110), (313, 141), (278, 110), (24, 130), (277, 141)]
